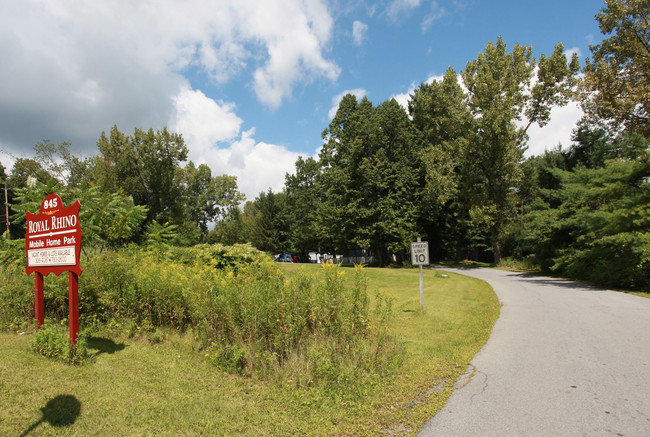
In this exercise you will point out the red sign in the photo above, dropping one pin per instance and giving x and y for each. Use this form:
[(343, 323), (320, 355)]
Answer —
[(53, 239)]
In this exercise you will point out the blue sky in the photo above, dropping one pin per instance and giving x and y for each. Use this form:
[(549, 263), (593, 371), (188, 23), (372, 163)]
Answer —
[(250, 84)]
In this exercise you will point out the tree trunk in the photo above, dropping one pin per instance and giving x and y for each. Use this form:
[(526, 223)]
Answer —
[(496, 248), (380, 254)]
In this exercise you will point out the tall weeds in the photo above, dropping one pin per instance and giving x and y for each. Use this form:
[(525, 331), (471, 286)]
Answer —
[(246, 316)]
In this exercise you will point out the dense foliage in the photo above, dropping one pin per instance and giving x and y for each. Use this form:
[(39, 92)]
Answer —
[(616, 90), (450, 169), (443, 171), (454, 173), (242, 311), (585, 211), (137, 177), (369, 175)]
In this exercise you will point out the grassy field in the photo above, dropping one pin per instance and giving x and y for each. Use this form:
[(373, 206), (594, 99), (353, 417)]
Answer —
[(133, 387)]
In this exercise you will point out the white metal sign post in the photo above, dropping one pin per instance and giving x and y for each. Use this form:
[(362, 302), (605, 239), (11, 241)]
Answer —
[(420, 257)]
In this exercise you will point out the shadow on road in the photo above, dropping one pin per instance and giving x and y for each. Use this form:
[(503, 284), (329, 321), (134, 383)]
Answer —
[(533, 278), (555, 282)]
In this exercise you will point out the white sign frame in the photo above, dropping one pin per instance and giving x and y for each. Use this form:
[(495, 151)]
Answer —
[(57, 256), (420, 253)]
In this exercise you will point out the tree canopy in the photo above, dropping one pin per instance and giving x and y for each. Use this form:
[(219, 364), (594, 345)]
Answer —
[(134, 182), (450, 168), (616, 88)]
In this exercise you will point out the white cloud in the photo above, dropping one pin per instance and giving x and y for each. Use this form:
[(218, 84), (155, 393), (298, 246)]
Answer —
[(360, 93), (437, 12), (257, 165), (439, 78), (212, 133), (398, 8), (295, 34), (403, 98), (570, 52), (7, 160), (557, 131), (71, 70), (359, 30), (264, 167), (202, 121)]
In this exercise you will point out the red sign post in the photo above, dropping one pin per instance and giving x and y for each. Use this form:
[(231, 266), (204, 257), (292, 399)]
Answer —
[(53, 245)]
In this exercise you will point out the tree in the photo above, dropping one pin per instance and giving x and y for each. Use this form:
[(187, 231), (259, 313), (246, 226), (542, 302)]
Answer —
[(346, 139), (303, 202), (230, 230), (584, 209), (593, 146), (443, 122), (207, 199), (499, 93), (196, 192), (145, 167), (25, 169), (442, 117), (555, 86), (616, 86), (393, 183), (371, 178), (473, 145), (226, 196), (265, 221), (603, 224), (537, 199), (4, 207), (58, 161)]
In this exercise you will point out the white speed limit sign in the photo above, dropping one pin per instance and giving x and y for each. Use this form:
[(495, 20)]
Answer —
[(420, 253)]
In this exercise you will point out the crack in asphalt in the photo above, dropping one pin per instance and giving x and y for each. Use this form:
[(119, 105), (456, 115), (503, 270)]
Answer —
[(485, 386), (469, 375)]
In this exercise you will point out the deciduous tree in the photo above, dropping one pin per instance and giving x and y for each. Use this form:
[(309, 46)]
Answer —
[(207, 199), (144, 166), (371, 177), (304, 199), (499, 93), (616, 87)]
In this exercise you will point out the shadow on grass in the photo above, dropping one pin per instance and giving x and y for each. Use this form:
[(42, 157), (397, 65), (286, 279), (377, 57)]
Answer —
[(59, 412), (104, 345)]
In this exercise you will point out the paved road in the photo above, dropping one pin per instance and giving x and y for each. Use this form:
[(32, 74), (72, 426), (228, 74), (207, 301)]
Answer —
[(563, 360)]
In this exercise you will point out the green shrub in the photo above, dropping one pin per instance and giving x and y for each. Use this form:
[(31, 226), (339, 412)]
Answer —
[(16, 297), (620, 260), (228, 357), (527, 263), (241, 309), (51, 341), (218, 255), (304, 330)]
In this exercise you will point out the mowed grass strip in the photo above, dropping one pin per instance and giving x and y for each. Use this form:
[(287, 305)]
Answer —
[(134, 388)]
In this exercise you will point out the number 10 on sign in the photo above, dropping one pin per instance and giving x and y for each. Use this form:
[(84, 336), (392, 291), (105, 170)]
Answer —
[(420, 257), (420, 253)]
